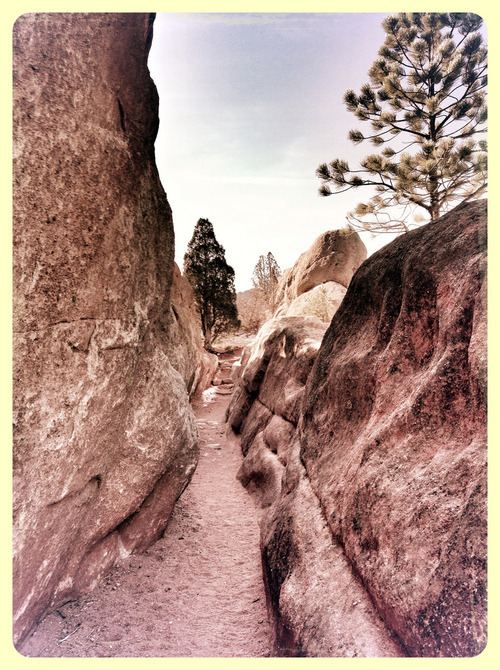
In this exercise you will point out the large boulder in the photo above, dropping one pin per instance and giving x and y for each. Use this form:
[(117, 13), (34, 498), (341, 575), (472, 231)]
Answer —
[(104, 437), (374, 532), (321, 301), (319, 607), (333, 257), (393, 433)]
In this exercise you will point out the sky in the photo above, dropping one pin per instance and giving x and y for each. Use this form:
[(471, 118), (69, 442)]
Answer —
[(250, 106)]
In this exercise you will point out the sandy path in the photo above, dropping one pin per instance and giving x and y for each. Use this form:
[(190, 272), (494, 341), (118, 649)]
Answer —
[(198, 592)]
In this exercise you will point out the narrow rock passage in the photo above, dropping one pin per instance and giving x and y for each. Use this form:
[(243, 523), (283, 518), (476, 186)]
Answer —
[(198, 592)]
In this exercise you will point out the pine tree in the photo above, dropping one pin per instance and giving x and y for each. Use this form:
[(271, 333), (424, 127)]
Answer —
[(265, 277), (212, 279), (427, 89)]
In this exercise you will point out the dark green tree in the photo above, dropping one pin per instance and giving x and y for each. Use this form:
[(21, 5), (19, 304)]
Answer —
[(427, 89), (212, 279), (265, 278)]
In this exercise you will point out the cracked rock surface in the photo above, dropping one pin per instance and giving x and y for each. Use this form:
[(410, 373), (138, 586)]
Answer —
[(104, 437), (198, 591)]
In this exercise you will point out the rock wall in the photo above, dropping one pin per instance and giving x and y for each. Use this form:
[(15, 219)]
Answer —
[(375, 500), (273, 375), (304, 571), (393, 432), (104, 437)]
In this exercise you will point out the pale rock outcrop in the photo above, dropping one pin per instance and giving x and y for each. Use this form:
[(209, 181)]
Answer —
[(104, 437), (321, 301), (184, 345), (333, 257), (374, 532)]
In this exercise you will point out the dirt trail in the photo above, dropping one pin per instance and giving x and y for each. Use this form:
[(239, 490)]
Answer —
[(198, 592)]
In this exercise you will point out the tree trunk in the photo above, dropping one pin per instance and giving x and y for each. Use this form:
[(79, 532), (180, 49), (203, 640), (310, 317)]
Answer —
[(434, 210), (207, 331)]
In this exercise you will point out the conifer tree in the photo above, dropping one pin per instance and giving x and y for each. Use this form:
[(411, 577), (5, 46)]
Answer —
[(265, 277), (427, 89), (212, 279)]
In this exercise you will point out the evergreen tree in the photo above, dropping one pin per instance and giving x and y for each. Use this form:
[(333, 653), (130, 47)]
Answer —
[(427, 88), (265, 277), (212, 279)]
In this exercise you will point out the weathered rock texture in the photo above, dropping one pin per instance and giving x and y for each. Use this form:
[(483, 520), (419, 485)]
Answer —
[(302, 566), (331, 260), (184, 345), (321, 301), (104, 438), (375, 496), (393, 432), (320, 606), (273, 374)]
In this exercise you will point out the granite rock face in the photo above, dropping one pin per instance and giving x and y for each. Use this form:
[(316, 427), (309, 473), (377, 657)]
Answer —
[(374, 486), (104, 437), (304, 571), (265, 406), (320, 607), (393, 432)]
